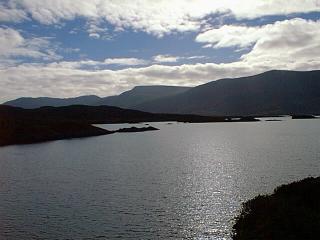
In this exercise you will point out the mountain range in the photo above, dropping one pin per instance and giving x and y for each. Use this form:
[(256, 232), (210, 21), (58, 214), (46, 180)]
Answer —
[(128, 99), (275, 92)]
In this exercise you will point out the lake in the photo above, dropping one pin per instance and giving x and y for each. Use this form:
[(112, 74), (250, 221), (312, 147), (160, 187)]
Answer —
[(185, 181)]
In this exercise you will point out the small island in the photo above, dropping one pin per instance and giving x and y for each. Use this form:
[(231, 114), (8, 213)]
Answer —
[(242, 119), (135, 129), (291, 212), (303, 116)]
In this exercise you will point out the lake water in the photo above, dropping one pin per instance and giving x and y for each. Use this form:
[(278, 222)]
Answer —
[(186, 181)]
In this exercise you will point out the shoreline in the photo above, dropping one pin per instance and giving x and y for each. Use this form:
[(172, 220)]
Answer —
[(27, 126)]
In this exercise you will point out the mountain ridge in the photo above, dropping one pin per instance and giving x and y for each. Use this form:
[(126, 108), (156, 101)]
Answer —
[(140, 94), (275, 92), (36, 102), (127, 99)]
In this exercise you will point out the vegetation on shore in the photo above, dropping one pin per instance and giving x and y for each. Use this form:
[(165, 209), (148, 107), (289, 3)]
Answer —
[(292, 212)]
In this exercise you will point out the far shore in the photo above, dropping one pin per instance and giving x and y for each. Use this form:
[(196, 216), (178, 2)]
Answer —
[(26, 126)]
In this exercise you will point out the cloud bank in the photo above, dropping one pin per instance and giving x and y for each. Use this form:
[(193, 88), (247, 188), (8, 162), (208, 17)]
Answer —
[(13, 44), (154, 17)]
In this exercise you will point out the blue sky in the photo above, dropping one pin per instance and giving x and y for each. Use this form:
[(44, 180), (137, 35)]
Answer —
[(67, 48)]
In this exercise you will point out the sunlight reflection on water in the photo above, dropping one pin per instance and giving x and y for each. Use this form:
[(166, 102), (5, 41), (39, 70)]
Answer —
[(186, 181)]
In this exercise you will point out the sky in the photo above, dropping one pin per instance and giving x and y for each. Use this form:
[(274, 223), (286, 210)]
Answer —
[(68, 48)]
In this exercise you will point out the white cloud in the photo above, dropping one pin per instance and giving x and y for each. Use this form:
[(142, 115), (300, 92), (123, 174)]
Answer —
[(94, 35), (290, 43), (299, 30), (294, 43), (230, 36), (96, 31), (165, 58), (154, 17), (95, 65), (197, 57), (250, 9), (125, 61), (70, 64), (13, 44), (11, 14)]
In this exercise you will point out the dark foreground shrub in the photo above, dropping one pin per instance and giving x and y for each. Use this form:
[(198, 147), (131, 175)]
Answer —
[(291, 212)]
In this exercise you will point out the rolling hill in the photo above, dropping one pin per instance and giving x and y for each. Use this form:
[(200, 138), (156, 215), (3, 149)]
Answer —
[(269, 93)]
